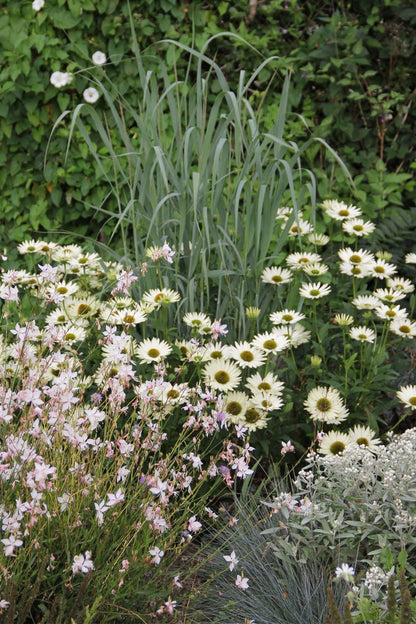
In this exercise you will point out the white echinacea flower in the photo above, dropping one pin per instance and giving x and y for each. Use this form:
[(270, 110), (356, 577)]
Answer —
[(37, 5)]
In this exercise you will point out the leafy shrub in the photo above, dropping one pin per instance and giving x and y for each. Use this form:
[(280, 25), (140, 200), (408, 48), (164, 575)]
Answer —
[(329, 48)]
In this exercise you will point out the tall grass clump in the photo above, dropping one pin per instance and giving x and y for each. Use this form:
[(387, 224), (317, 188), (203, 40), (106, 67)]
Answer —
[(189, 160)]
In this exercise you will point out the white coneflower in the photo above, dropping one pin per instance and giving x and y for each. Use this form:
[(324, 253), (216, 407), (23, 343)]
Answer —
[(407, 395), (382, 269), (364, 436), (72, 334), (339, 210), (410, 258), (196, 319), (314, 269), (334, 443), (366, 302), (253, 418), (343, 319), (286, 317), (355, 270), (246, 355), (358, 227), (360, 256), (62, 289), (266, 401), (389, 295), (391, 313), (159, 297), (59, 316), (29, 247), (269, 383), (299, 228), (284, 212), (152, 350), (314, 291), (318, 239), (66, 252), (188, 348), (235, 403), (126, 316), (404, 328), (276, 275), (216, 351), (270, 342), (253, 312), (295, 334), (325, 405), (297, 260), (82, 306), (400, 283), (222, 375), (363, 334)]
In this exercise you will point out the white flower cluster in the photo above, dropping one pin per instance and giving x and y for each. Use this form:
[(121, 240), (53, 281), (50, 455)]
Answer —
[(375, 579), (61, 79)]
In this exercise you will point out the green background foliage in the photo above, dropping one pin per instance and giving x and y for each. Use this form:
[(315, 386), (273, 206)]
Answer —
[(352, 84)]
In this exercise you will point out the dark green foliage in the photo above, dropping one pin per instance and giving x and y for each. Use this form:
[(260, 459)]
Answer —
[(352, 83)]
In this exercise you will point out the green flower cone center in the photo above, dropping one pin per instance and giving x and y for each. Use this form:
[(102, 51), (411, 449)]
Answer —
[(264, 386), (222, 377), (337, 447), (323, 405), (247, 356), (234, 408), (153, 353), (252, 415)]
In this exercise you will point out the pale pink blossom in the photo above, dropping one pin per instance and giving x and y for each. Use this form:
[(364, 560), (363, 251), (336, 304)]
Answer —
[(157, 555), (10, 543), (241, 582), (82, 563), (232, 560)]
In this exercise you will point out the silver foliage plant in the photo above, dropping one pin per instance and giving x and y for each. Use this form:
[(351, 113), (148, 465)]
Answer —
[(350, 506)]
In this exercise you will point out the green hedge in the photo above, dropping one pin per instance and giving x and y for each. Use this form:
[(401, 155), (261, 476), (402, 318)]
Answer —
[(352, 84)]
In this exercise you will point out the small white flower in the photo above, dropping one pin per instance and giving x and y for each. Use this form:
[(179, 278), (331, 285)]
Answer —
[(99, 58), (37, 5), (345, 572), (157, 555), (4, 604), (231, 560), (91, 95), (241, 582), (82, 563), (10, 543), (60, 79)]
